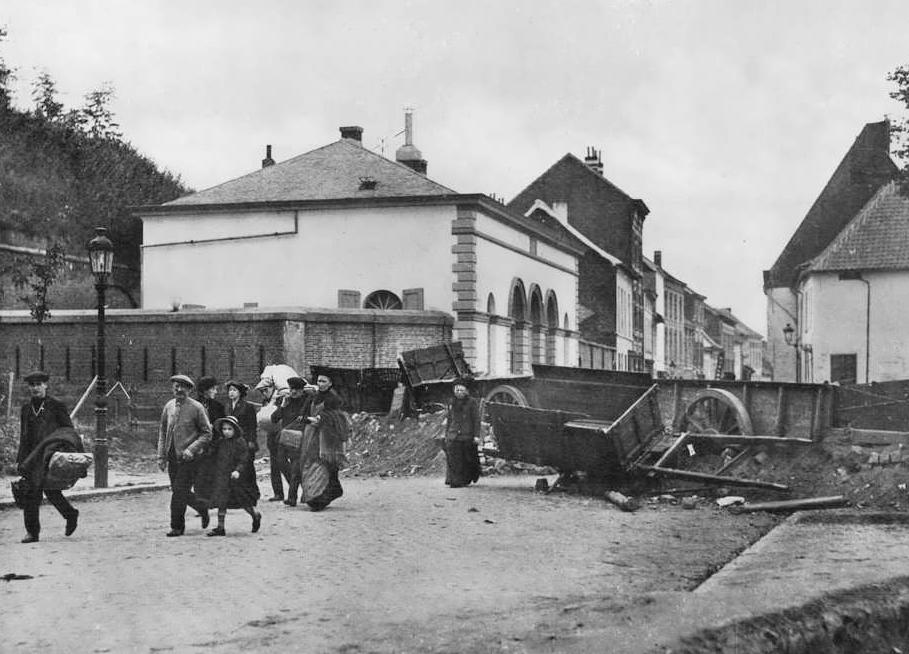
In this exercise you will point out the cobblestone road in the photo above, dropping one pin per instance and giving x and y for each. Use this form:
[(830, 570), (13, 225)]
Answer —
[(396, 565)]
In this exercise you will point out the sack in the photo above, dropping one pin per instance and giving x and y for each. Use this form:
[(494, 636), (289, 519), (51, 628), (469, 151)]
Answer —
[(291, 438), (65, 468), (21, 490), (313, 481)]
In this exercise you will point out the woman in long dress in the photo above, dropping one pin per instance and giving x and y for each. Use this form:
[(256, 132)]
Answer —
[(323, 447), (462, 435)]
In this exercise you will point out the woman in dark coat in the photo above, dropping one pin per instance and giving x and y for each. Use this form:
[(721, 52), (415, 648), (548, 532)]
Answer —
[(245, 413), (207, 389), (462, 434), (323, 447), (229, 488)]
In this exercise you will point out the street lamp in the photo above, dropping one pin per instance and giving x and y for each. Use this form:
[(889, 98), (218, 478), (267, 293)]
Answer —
[(101, 256), (793, 340)]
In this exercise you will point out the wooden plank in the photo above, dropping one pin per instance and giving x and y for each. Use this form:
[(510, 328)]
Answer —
[(752, 438), (671, 450), (829, 502), (737, 459), (719, 479)]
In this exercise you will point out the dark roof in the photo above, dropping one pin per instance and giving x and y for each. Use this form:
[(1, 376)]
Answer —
[(876, 239), (865, 168), (332, 172)]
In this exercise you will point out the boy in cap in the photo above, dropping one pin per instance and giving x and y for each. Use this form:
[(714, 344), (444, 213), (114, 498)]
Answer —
[(41, 416), (290, 415), (184, 433)]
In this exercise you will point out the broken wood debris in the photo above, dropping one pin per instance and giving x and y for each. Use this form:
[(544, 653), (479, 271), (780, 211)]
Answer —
[(829, 502)]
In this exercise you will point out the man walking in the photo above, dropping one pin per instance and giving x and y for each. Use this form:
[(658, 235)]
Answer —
[(291, 414), (184, 433), (40, 417)]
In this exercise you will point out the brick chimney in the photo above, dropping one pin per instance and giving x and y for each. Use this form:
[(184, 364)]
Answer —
[(352, 133), (658, 258), (408, 154), (593, 160), (268, 161)]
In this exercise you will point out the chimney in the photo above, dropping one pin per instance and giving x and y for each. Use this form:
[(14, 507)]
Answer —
[(352, 133), (268, 161), (658, 258), (408, 154), (593, 160)]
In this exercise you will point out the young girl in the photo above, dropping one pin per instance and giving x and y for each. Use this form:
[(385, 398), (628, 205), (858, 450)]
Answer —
[(232, 488)]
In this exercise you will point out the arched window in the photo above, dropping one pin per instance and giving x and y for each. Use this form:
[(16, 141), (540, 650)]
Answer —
[(382, 300), (552, 324), (536, 317), (491, 305), (517, 309), (491, 333)]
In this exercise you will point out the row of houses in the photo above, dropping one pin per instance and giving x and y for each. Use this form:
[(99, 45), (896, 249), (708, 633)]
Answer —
[(557, 275)]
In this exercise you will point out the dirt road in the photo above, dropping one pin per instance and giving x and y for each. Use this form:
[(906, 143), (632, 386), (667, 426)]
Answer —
[(396, 565)]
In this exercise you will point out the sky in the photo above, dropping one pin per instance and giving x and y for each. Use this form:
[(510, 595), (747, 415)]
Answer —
[(726, 118)]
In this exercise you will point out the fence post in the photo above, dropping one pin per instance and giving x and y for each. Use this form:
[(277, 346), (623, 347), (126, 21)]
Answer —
[(9, 397)]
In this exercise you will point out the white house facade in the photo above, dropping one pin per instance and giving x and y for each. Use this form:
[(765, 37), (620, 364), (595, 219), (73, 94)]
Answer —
[(343, 227)]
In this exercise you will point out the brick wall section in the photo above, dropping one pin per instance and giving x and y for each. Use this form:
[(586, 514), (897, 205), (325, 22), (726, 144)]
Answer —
[(150, 345)]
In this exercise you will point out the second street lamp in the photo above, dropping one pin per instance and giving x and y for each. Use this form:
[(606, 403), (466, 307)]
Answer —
[(793, 340), (101, 256)]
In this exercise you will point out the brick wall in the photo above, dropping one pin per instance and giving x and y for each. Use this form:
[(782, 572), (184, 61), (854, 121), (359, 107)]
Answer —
[(144, 348)]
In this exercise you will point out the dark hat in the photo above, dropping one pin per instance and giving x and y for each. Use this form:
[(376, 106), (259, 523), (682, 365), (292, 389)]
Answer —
[(182, 379), (240, 386), (36, 377), (297, 383), (206, 383), (462, 381), (232, 421)]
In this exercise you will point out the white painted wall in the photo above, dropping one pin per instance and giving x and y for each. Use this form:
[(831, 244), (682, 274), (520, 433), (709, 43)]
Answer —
[(363, 249), (624, 340), (835, 323)]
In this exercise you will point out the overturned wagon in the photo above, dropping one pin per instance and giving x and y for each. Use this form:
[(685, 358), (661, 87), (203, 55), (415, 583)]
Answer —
[(609, 423)]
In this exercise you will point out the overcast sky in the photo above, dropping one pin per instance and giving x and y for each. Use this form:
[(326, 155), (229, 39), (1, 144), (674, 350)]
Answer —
[(726, 118)]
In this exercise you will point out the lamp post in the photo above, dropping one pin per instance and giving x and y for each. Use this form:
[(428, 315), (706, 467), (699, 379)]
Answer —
[(793, 340), (101, 256)]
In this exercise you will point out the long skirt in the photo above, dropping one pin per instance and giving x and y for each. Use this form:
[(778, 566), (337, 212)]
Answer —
[(463, 463)]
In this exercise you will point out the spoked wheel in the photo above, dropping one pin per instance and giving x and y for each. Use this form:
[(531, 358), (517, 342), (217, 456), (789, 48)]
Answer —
[(716, 411)]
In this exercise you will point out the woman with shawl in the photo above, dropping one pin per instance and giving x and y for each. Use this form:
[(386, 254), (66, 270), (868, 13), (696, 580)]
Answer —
[(323, 447)]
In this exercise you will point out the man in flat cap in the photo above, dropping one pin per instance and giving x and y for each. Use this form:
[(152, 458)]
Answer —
[(184, 434), (41, 416)]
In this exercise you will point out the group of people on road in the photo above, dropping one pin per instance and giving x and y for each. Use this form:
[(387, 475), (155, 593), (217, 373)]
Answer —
[(208, 448)]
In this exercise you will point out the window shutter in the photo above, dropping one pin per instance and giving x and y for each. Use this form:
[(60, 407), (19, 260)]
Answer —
[(348, 299), (413, 298)]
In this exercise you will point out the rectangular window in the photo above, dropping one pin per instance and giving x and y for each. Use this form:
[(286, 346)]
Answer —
[(348, 299), (843, 368), (412, 298)]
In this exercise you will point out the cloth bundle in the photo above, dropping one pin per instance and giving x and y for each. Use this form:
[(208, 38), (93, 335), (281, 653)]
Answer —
[(65, 468)]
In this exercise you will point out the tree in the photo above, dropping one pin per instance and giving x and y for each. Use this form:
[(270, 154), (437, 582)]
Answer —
[(99, 117), (6, 76), (38, 274), (44, 93)]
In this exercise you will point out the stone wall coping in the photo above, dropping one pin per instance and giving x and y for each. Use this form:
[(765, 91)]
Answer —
[(259, 314)]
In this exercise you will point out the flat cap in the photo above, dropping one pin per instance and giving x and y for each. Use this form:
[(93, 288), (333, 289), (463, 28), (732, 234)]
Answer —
[(182, 379), (296, 382), (36, 377)]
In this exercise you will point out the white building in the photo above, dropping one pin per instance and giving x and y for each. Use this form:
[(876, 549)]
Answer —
[(853, 298), (342, 226)]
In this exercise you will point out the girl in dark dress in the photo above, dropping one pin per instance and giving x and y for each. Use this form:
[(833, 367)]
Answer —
[(245, 413), (230, 489), (462, 434)]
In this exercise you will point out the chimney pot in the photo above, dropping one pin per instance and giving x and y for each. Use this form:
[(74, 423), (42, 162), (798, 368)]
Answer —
[(268, 161), (408, 154), (594, 160), (352, 133), (658, 258)]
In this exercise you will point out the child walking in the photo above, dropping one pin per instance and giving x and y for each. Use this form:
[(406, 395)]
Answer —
[(232, 488)]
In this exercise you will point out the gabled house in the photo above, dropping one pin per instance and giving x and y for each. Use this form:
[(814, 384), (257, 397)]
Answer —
[(864, 170), (614, 222), (344, 227), (852, 313)]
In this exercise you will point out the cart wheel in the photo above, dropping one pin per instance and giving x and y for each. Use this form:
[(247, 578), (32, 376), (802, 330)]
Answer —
[(505, 394), (716, 411)]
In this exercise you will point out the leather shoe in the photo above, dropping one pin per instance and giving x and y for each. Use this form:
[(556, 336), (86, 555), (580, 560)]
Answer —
[(174, 532), (205, 519), (217, 531), (257, 522), (30, 538), (290, 502), (71, 523), (276, 499)]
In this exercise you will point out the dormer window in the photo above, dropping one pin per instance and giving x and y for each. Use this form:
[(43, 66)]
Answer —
[(368, 184)]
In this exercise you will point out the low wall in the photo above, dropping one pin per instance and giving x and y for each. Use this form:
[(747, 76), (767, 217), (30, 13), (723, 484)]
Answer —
[(144, 348)]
